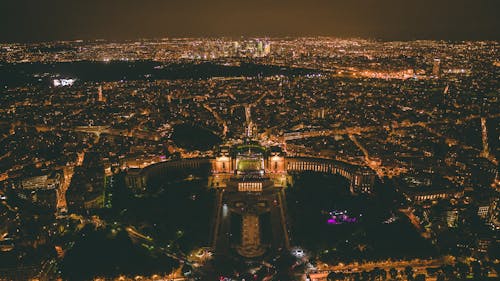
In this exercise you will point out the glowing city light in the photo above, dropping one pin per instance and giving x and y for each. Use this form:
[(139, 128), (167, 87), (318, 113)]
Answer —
[(340, 217), (63, 82)]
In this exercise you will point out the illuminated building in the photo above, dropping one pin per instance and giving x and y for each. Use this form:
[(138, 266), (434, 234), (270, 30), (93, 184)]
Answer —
[(135, 180), (433, 194), (483, 211), (39, 182), (260, 47), (63, 82), (267, 48), (452, 218), (361, 179), (223, 163), (100, 95), (40, 189), (436, 68), (482, 245), (276, 161)]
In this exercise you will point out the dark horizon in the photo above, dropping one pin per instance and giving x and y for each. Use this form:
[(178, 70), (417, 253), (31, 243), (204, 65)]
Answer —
[(33, 21)]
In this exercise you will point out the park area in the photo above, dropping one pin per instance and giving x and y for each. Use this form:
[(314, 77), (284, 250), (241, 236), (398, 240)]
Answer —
[(334, 225)]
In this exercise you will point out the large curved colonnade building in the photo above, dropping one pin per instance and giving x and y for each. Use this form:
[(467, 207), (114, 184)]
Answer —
[(249, 178)]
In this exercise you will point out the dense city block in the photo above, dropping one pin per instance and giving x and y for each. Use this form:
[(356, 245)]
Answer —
[(294, 158)]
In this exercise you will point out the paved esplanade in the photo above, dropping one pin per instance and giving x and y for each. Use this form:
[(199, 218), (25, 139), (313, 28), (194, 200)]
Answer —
[(250, 242), (247, 193)]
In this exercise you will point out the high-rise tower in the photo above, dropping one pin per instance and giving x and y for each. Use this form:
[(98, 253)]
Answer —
[(100, 95), (436, 68)]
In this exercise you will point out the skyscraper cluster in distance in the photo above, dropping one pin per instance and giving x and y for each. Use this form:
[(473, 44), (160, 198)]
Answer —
[(250, 48)]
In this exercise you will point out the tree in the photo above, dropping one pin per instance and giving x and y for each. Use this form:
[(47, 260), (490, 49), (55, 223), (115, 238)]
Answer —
[(462, 269), (365, 275), (393, 273), (431, 270), (383, 274), (420, 277), (332, 276), (476, 270), (448, 271), (378, 274), (409, 272)]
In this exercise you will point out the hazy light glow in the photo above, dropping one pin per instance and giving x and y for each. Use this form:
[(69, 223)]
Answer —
[(340, 217), (63, 82)]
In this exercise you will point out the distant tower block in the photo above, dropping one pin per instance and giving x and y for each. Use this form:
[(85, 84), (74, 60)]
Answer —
[(260, 48), (100, 96), (436, 68), (267, 49)]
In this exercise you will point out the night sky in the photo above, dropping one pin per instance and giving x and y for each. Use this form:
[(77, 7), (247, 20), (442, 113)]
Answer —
[(43, 20)]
